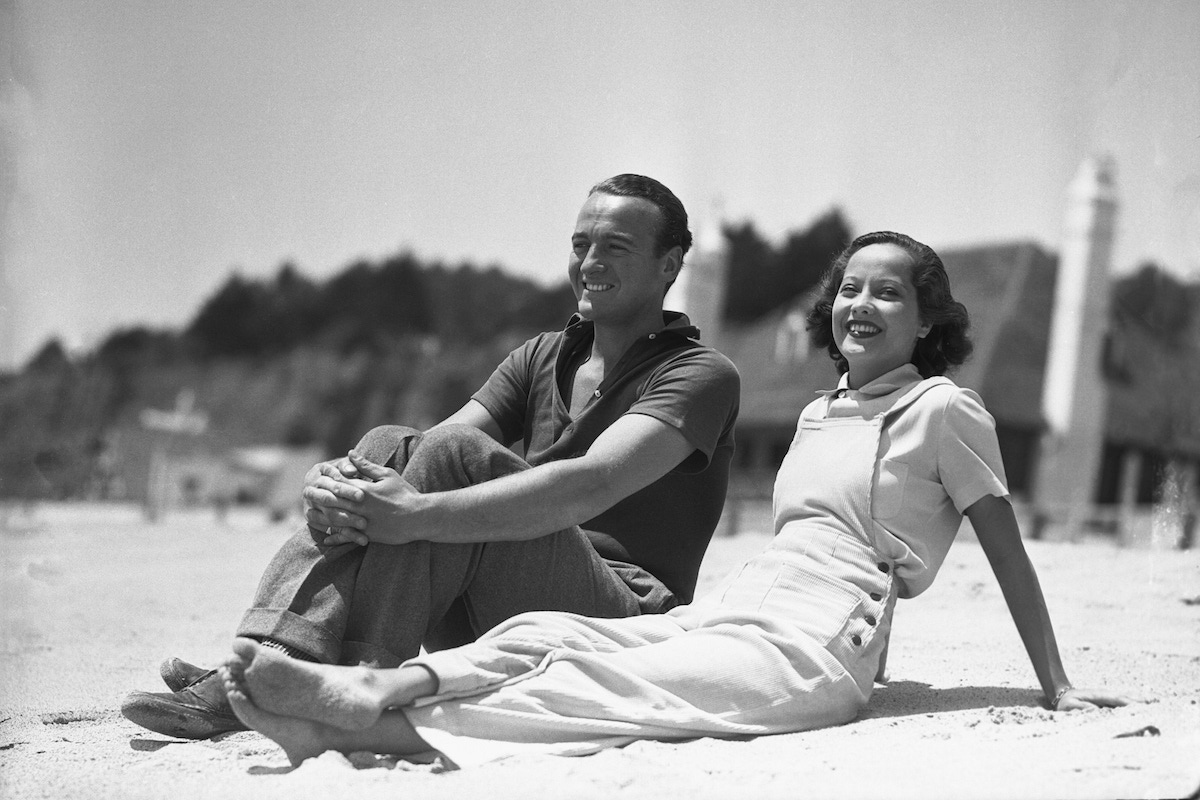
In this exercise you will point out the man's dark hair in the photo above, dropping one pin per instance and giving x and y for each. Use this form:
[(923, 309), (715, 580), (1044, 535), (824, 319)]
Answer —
[(673, 227)]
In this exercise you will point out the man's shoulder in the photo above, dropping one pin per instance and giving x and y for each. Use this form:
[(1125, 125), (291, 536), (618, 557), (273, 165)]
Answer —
[(546, 343), (695, 377), (699, 356), (544, 337)]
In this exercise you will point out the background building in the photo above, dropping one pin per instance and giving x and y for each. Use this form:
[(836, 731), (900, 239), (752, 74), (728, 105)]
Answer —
[(1098, 421)]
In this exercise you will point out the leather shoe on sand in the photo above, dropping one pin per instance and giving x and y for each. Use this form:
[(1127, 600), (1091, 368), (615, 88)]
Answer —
[(198, 711), (178, 674)]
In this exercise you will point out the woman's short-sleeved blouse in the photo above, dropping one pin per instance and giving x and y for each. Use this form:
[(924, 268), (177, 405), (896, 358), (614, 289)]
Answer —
[(936, 457)]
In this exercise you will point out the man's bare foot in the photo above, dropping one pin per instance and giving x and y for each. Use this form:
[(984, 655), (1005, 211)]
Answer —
[(351, 698), (299, 738)]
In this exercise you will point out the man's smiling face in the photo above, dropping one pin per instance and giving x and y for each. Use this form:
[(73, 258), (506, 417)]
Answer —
[(614, 270)]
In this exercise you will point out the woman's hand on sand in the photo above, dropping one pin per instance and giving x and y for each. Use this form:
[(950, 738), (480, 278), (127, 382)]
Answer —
[(1075, 699)]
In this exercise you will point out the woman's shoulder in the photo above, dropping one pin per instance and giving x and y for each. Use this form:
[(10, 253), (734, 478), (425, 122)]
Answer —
[(942, 390), (959, 409), (942, 397)]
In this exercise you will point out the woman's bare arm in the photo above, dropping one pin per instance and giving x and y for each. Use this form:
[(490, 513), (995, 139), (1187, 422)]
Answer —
[(996, 527)]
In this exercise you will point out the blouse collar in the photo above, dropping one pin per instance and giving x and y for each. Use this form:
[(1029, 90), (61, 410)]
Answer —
[(894, 380)]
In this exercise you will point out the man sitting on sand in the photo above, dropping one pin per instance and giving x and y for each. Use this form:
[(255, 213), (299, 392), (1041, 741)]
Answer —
[(434, 538)]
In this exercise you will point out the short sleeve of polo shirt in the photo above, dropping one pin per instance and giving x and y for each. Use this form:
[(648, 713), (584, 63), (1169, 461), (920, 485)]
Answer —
[(968, 455), (696, 392), (505, 394)]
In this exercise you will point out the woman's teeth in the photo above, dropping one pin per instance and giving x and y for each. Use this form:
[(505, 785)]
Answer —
[(862, 329)]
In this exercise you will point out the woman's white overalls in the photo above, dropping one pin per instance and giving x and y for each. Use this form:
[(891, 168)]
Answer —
[(789, 641)]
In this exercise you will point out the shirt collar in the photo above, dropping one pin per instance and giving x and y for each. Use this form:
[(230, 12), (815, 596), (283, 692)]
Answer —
[(886, 383), (674, 322)]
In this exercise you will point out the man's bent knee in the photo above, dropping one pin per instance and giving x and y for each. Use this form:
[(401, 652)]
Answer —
[(472, 449), (457, 437), (381, 444)]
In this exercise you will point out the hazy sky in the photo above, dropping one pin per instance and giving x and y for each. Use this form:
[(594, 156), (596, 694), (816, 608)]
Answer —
[(150, 148)]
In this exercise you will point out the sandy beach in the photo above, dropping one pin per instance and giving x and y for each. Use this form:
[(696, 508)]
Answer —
[(92, 598)]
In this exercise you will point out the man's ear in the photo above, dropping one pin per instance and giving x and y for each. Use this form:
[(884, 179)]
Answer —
[(672, 262)]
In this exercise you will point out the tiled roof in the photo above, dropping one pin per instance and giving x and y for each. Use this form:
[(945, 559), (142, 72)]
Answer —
[(775, 386), (1008, 290)]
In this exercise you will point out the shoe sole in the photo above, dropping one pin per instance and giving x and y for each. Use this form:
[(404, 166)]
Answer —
[(175, 719)]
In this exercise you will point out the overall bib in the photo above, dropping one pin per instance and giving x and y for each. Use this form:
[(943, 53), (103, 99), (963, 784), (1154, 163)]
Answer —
[(824, 588)]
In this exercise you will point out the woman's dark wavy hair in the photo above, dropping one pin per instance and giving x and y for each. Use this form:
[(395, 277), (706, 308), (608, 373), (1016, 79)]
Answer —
[(943, 348)]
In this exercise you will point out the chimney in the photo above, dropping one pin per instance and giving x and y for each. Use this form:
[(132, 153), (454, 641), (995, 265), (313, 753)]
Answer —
[(699, 291), (1074, 394)]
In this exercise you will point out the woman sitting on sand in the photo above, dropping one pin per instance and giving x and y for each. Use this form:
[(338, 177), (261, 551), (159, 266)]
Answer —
[(866, 505)]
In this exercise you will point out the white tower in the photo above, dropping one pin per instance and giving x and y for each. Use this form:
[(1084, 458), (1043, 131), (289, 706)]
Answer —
[(1074, 397), (699, 291)]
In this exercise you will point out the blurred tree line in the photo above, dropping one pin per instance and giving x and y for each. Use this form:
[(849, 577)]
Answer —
[(763, 277), (282, 360), (370, 307), (290, 360), (1159, 304)]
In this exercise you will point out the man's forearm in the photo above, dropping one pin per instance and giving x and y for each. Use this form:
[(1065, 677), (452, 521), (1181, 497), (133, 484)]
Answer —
[(385, 509), (524, 505), (631, 454)]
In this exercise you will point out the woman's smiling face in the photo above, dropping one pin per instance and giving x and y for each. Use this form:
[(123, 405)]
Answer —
[(876, 317)]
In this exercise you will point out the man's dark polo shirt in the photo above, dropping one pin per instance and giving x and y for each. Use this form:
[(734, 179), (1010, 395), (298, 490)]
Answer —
[(666, 527)]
